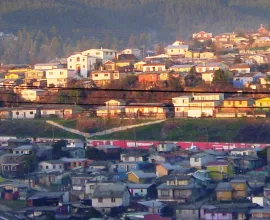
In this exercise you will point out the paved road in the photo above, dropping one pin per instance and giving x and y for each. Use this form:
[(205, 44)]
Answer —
[(109, 131)]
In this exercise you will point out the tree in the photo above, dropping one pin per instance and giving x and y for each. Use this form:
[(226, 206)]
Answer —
[(220, 76), (193, 78), (159, 49), (174, 83), (95, 154), (57, 148), (237, 59)]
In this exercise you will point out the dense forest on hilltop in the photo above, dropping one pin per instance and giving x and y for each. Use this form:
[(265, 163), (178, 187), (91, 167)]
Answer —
[(117, 23)]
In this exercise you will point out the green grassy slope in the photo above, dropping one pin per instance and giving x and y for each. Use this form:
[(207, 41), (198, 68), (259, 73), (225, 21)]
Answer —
[(32, 128), (212, 130)]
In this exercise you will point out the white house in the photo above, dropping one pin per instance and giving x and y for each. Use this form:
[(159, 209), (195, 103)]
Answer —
[(243, 152), (106, 76), (199, 160), (131, 157), (200, 68), (32, 94), (25, 112), (75, 143), (181, 104), (24, 149), (52, 165), (59, 77), (106, 197), (152, 67), (48, 66), (166, 147), (82, 64), (206, 108), (104, 54), (208, 96), (136, 52), (138, 189), (176, 50)]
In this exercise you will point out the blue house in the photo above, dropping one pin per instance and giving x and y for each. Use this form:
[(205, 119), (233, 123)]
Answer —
[(244, 79), (130, 166)]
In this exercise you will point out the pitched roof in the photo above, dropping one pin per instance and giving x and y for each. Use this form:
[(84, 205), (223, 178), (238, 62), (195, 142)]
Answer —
[(141, 174), (152, 203), (224, 187), (138, 186), (114, 191)]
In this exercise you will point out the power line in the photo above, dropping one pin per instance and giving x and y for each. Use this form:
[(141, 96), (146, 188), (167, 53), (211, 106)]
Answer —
[(136, 90)]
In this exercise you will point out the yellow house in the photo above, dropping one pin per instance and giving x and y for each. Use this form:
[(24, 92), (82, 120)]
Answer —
[(240, 188), (122, 63), (224, 191), (181, 68), (164, 169), (32, 75), (262, 104), (242, 102), (140, 177), (15, 75), (224, 167), (139, 65), (192, 54), (113, 108), (109, 65), (207, 55)]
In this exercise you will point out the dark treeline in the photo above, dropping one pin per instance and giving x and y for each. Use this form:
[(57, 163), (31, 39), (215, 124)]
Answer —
[(58, 27), (37, 46)]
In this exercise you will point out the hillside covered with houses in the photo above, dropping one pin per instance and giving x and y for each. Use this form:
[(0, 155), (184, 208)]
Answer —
[(226, 75)]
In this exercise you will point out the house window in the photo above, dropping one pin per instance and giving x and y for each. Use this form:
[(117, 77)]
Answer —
[(91, 186), (31, 113), (78, 59), (197, 159), (97, 53), (13, 168), (17, 113), (147, 68), (100, 200), (106, 74), (6, 168), (70, 60), (61, 73), (54, 166), (41, 167), (160, 69), (70, 67), (164, 193), (83, 66), (50, 73), (113, 200), (47, 167)]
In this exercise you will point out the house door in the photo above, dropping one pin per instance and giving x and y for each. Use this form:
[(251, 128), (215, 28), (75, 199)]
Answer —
[(24, 115), (78, 68), (140, 112)]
